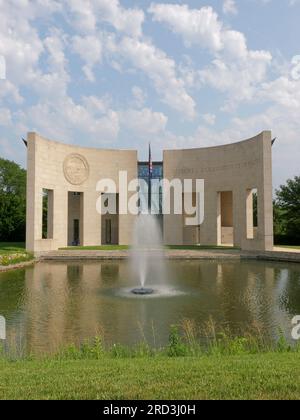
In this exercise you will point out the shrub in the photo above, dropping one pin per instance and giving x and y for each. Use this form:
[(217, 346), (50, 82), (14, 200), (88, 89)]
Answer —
[(176, 346)]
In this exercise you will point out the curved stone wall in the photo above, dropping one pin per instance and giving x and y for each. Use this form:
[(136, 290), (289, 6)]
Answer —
[(63, 168), (232, 170)]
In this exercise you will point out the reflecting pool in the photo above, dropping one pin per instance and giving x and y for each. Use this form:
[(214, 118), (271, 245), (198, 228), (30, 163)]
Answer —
[(54, 303)]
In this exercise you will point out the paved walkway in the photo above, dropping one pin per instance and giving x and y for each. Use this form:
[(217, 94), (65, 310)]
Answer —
[(285, 249), (278, 254), (171, 254)]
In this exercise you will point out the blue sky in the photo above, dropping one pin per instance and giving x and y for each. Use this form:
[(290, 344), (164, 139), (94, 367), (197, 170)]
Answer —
[(109, 73)]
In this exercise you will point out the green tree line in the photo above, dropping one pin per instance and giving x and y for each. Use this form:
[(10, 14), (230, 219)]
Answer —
[(13, 206), (12, 202), (287, 213)]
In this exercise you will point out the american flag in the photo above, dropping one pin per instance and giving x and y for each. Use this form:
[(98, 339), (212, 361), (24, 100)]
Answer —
[(150, 161), (150, 180)]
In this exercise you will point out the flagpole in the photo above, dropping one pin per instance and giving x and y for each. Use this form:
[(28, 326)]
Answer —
[(149, 180)]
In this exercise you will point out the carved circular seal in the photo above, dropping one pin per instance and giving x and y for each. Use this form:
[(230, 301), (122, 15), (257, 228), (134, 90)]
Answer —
[(76, 169)]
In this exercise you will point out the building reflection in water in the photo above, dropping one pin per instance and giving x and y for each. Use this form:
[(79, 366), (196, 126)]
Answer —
[(59, 303)]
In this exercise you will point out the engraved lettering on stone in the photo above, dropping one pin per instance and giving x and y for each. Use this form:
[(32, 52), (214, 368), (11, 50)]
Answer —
[(227, 167)]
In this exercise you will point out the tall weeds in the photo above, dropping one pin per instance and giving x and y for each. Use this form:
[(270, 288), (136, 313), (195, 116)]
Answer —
[(185, 340)]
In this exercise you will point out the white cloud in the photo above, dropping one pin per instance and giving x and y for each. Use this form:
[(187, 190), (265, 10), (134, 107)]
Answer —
[(11, 92), (290, 2), (161, 69), (92, 118), (52, 84), (82, 15), (62, 119), (201, 27), (40, 94), (87, 14), (129, 21), (96, 105), (235, 69), (23, 48), (196, 26), (283, 91), (20, 44), (2, 68), (209, 119), (57, 115), (281, 117), (240, 80), (143, 122), (5, 117), (230, 7), (89, 48), (139, 96)]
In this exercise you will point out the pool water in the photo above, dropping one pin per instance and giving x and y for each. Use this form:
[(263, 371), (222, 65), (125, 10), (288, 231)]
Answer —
[(53, 304)]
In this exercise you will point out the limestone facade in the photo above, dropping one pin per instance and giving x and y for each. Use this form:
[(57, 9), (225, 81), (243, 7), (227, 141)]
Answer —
[(69, 174)]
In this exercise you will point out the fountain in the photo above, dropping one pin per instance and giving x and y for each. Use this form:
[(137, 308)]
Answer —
[(142, 291), (147, 253)]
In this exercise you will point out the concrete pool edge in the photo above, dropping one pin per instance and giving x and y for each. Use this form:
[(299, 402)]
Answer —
[(276, 255), (184, 255), (18, 266)]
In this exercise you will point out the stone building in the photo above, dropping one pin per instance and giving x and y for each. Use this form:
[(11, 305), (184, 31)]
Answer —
[(62, 194)]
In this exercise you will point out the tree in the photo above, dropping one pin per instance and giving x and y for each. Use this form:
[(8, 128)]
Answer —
[(12, 201), (288, 207), (279, 220)]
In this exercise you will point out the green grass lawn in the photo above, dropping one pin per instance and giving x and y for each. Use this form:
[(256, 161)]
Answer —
[(288, 246), (261, 376), (13, 253), (11, 247)]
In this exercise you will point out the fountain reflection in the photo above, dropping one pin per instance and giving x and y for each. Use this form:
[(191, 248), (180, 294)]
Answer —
[(54, 304)]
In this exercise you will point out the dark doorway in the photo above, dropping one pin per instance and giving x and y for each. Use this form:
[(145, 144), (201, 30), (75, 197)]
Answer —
[(47, 214), (108, 231), (110, 225), (75, 218), (76, 231), (225, 218)]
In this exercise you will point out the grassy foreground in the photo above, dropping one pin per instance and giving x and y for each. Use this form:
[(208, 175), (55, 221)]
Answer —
[(13, 253), (261, 376), (226, 368)]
